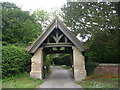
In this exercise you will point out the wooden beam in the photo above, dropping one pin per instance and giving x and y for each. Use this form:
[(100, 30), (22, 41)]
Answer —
[(57, 37), (54, 38), (48, 40), (66, 40), (60, 37), (57, 45), (58, 51)]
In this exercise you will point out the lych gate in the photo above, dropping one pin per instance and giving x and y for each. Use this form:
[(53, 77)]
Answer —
[(57, 35)]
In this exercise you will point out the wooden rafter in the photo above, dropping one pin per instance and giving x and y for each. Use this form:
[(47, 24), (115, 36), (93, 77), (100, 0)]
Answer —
[(57, 37), (56, 24), (57, 45), (66, 40)]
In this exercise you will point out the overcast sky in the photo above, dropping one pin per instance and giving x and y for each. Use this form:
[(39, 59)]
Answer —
[(35, 4)]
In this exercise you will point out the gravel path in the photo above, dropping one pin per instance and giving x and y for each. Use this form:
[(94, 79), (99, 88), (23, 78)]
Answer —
[(59, 78)]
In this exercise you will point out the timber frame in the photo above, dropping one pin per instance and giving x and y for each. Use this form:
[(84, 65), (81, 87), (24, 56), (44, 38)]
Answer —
[(56, 24), (57, 38)]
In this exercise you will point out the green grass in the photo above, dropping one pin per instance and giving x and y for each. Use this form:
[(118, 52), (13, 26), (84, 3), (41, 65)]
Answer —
[(21, 81), (99, 82), (65, 67)]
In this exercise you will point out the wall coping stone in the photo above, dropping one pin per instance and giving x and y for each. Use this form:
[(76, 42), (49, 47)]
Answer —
[(107, 64)]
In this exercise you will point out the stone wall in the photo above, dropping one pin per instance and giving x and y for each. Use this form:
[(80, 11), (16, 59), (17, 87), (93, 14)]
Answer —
[(107, 69)]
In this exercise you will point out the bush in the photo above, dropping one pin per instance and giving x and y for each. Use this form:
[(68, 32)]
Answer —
[(90, 66), (47, 65), (66, 60), (58, 61), (14, 60)]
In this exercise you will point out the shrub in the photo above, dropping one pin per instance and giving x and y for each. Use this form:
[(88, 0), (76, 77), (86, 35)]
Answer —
[(90, 66), (47, 65), (58, 61), (14, 60), (65, 60)]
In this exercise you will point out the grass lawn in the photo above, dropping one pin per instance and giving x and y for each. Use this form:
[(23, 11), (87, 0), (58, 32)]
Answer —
[(100, 81), (21, 81)]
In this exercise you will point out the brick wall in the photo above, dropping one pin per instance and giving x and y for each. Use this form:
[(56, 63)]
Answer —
[(107, 69)]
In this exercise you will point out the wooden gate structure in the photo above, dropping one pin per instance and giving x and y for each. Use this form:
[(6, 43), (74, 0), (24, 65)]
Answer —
[(57, 35)]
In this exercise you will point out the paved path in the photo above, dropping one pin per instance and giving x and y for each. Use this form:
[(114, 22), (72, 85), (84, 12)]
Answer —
[(59, 78)]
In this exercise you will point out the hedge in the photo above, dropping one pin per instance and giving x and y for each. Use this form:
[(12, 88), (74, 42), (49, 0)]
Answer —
[(66, 60), (90, 66), (14, 60)]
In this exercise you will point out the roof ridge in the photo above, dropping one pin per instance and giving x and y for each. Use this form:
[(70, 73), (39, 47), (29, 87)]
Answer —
[(56, 23)]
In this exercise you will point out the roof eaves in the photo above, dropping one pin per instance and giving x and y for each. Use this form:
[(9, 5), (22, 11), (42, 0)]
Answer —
[(29, 49), (78, 43)]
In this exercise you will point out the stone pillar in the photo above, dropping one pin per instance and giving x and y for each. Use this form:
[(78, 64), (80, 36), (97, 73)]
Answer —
[(79, 65), (37, 64)]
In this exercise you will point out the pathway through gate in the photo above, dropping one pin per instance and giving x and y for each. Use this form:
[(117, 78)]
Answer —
[(57, 38), (59, 78)]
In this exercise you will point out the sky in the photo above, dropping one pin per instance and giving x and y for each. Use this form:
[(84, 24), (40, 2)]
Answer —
[(35, 4), (32, 5)]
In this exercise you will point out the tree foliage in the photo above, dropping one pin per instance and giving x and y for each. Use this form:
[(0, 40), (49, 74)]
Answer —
[(89, 17), (42, 16), (101, 22), (18, 26)]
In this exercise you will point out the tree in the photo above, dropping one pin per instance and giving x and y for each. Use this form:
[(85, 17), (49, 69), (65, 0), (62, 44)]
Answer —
[(117, 7), (42, 16), (55, 12), (101, 22), (18, 26), (87, 18)]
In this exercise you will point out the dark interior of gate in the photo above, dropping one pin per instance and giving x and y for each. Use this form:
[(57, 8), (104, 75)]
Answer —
[(56, 43)]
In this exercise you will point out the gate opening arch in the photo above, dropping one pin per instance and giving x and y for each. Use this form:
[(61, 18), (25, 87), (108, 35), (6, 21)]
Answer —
[(57, 35)]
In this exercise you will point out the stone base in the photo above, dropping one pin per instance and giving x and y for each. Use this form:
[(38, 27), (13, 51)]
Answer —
[(36, 74), (78, 75)]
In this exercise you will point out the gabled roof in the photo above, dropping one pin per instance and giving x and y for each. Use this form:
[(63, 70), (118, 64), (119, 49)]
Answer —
[(55, 24)]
